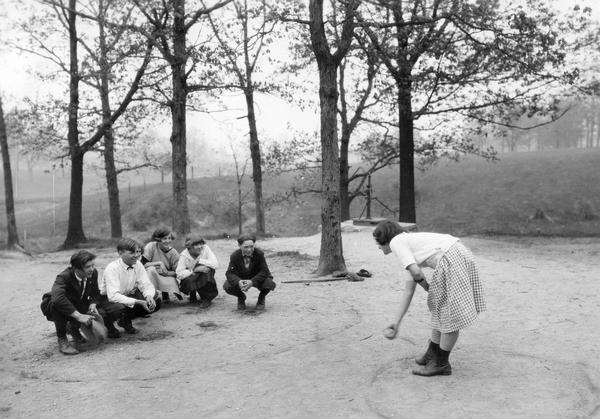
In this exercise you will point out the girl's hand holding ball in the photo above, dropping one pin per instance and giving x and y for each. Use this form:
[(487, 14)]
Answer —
[(390, 331)]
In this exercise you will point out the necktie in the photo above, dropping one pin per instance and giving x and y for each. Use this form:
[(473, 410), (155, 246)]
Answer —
[(82, 287)]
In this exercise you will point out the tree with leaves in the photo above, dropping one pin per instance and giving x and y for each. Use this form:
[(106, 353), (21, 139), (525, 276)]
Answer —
[(243, 40), (331, 256), (170, 25), (45, 38), (478, 60), (116, 45)]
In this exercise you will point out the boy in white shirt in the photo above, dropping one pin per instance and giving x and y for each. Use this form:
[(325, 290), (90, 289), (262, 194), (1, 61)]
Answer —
[(126, 291)]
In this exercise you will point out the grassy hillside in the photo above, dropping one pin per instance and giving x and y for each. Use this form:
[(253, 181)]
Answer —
[(467, 197), (502, 198)]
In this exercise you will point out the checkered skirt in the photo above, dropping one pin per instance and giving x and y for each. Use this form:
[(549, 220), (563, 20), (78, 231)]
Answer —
[(455, 291)]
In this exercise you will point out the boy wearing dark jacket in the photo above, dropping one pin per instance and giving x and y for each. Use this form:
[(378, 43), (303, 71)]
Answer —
[(248, 268)]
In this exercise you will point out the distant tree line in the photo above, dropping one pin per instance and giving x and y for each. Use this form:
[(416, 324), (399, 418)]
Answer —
[(579, 127)]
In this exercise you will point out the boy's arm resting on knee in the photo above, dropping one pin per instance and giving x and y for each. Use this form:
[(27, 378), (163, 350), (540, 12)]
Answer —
[(182, 270), (208, 258), (264, 271)]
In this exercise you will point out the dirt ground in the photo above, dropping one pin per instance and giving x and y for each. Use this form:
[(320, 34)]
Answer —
[(318, 350)]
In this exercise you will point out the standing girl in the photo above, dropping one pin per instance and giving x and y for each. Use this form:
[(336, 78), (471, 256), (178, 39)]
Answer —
[(455, 292)]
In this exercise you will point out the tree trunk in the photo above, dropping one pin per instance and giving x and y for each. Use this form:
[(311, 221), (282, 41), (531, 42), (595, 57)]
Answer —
[(344, 169), (11, 221), (407, 150), (112, 184), (181, 217), (75, 226), (256, 162), (597, 139), (75, 233), (240, 213), (331, 255)]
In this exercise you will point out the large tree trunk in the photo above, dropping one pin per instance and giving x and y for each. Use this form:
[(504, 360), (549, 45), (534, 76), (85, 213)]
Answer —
[(11, 221), (331, 255), (181, 217), (407, 152), (256, 162), (75, 226), (75, 233), (112, 184)]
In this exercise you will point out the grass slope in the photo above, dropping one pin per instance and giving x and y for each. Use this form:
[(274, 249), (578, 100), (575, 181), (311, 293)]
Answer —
[(474, 196)]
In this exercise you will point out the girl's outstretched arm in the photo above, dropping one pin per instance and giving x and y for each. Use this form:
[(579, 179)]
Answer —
[(407, 295)]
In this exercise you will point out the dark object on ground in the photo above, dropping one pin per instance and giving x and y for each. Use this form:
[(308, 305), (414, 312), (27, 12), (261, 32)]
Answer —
[(364, 273), (354, 277)]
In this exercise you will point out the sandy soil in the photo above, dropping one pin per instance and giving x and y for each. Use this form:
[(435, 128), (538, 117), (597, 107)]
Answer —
[(318, 351)]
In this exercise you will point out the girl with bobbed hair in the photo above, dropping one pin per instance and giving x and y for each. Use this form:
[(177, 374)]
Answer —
[(160, 260), (455, 291)]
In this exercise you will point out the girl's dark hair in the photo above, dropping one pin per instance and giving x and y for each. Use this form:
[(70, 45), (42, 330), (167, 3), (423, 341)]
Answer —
[(160, 233), (194, 240), (385, 231), (245, 237), (126, 244), (80, 258)]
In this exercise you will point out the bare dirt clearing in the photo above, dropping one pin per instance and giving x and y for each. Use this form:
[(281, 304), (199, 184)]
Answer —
[(318, 350)]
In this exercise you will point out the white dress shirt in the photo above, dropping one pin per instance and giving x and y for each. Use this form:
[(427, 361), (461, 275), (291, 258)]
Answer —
[(119, 281)]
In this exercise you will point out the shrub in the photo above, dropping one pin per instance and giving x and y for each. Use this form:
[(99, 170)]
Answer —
[(584, 211), (149, 212)]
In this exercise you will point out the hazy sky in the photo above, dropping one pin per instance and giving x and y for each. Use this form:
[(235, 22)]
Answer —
[(16, 82)]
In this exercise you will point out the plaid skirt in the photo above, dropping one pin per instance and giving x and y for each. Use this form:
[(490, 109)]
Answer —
[(455, 292)]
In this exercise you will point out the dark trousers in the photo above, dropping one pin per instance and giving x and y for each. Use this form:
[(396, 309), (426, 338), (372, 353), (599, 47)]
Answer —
[(62, 321), (115, 311), (201, 282), (235, 290)]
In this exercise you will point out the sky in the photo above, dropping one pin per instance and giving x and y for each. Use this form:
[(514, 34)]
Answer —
[(15, 81), (276, 117)]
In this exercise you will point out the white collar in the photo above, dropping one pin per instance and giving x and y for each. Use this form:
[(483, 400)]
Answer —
[(125, 266)]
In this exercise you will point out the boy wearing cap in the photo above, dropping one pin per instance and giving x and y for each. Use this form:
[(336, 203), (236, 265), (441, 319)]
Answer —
[(126, 291), (248, 268), (73, 300), (196, 271)]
